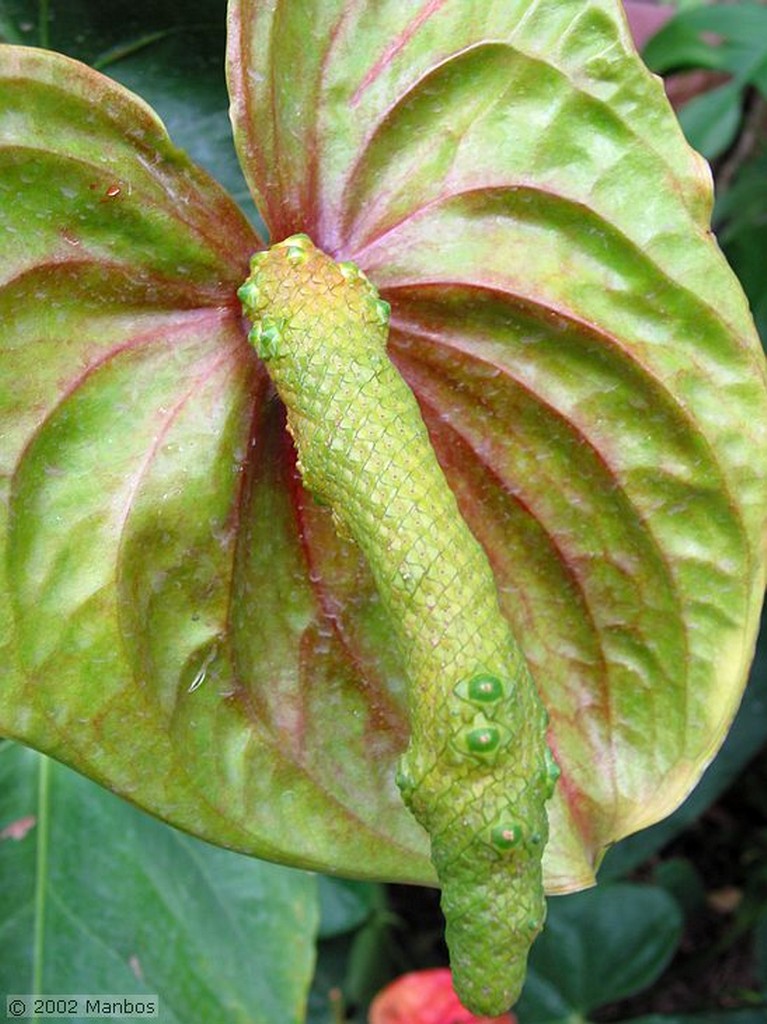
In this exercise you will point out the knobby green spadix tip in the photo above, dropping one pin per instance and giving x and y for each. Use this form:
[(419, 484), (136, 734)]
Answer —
[(477, 771)]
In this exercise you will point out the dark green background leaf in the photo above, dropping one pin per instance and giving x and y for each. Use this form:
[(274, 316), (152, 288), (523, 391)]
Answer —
[(724, 37), (97, 897), (354, 953), (755, 1016), (741, 222), (598, 947), (711, 121), (345, 905), (172, 54)]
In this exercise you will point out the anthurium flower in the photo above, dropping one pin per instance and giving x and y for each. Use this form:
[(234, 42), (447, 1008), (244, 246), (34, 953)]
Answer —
[(180, 620), (425, 997)]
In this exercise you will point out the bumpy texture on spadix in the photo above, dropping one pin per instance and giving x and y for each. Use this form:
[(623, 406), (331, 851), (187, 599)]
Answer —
[(477, 772)]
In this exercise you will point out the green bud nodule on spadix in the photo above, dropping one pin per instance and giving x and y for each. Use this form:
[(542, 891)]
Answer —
[(477, 771)]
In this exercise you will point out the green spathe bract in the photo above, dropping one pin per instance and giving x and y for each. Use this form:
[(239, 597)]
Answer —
[(179, 619), (475, 773)]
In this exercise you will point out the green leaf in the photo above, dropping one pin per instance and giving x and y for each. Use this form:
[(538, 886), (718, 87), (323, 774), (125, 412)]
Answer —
[(745, 739), (158, 584), (681, 879), (183, 623), (711, 121), (598, 947), (97, 897), (583, 356), (351, 965), (724, 37), (345, 905), (173, 54), (730, 38), (755, 1016), (741, 218), (761, 951)]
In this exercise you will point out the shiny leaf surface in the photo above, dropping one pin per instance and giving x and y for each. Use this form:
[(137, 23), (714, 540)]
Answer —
[(182, 622), (171, 54), (514, 183), (97, 897), (599, 947), (162, 631)]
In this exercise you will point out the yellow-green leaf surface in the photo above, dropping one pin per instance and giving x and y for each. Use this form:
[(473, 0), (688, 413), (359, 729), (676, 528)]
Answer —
[(160, 627), (514, 182), (180, 620)]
